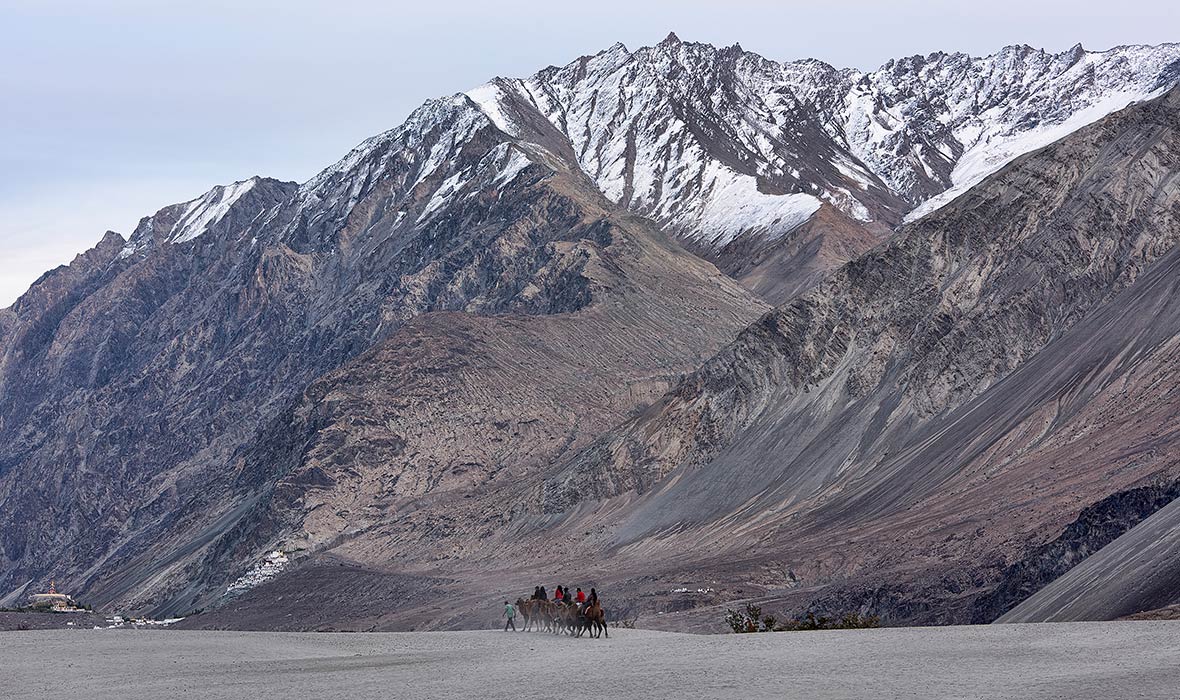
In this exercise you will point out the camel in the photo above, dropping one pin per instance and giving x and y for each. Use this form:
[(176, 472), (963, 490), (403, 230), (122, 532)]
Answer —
[(540, 619), (545, 614), (593, 619), (565, 618), (527, 610), (559, 618), (556, 617), (537, 613)]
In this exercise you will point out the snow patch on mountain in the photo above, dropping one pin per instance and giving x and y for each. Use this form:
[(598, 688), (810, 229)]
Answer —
[(140, 238), (733, 205), (514, 163), (497, 168), (852, 172), (204, 212), (845, 201), (442, 195), (994, 151), (490, 99)]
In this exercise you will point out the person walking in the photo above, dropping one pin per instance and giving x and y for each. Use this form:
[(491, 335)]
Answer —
[(510, 613)]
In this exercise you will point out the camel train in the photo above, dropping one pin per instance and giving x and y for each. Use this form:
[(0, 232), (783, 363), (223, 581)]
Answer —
[(560, 617)]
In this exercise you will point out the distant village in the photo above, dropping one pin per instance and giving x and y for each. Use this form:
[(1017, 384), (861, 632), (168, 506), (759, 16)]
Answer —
[(264, 571), (55, 601)]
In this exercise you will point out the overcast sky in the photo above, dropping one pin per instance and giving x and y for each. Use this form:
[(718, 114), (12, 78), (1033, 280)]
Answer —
[(111, 109)]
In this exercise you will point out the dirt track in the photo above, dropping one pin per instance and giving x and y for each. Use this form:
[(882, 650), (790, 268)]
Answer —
[(1078, 660)]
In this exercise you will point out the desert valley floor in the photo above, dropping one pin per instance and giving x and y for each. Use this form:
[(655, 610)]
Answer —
[(1072, 660)]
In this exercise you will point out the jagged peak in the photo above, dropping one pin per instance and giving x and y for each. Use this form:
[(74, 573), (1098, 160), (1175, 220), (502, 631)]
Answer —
[(457, 113), (615, 48), (1018, 51), (500, 102), (489, 98), (112, 237), (188, 220)]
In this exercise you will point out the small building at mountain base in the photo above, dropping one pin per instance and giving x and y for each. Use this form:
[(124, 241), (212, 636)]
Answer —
[(52, 600)]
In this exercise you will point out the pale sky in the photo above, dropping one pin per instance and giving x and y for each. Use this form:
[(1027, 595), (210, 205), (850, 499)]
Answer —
[(111, 109)]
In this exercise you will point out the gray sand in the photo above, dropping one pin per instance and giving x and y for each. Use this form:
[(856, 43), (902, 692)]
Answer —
[(1077, 660)]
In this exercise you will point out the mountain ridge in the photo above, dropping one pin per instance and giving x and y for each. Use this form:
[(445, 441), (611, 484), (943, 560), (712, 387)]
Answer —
[(488, 326), (904, 493), (833, 92)]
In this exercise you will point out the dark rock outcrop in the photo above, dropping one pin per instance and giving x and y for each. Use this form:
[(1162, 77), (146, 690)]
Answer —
[(1096, 526)]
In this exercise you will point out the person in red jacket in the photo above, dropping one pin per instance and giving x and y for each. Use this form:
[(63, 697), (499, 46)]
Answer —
[(581, 597), (557, 595)]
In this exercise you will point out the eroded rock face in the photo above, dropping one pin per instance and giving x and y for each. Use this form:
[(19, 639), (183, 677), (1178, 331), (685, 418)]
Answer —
[(156, 367)]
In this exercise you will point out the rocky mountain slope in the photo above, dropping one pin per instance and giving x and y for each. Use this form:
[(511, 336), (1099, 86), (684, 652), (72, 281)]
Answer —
[(174, 349), (966, 388), (1095, 528), (891, 441), (477, 349)]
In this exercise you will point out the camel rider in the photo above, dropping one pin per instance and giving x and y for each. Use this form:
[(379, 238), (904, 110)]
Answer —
[(544, 595), (593, 597), (580, 597), (557, 595)]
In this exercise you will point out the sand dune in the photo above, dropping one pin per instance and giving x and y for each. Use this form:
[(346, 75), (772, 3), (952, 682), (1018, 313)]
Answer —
[(1082, 660)]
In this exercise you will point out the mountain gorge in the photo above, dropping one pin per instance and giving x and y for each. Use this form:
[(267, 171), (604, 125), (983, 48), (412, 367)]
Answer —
[(825, 338)]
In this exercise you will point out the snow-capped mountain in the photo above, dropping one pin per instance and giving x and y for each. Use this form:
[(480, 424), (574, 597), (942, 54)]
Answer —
[(702, 140), (176, 348), (729, 151), (715, 143), (388, 356)]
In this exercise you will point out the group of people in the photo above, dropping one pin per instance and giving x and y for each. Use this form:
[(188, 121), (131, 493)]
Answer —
[(561, 594)]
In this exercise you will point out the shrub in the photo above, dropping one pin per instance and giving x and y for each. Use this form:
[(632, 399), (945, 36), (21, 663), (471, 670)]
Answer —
[(847, 621), (753, 620)]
